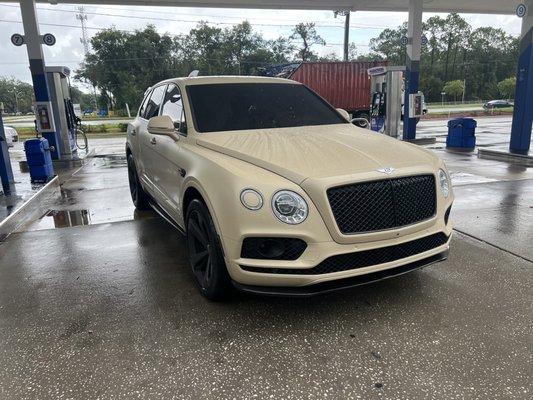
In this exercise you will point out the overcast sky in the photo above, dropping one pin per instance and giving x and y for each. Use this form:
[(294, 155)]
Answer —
[(61, 21)]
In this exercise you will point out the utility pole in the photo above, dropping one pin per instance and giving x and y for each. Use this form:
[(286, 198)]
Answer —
[(346, 14), (82, 17)]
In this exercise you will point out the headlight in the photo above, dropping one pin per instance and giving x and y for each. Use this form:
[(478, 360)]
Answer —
[(444, 183), (289, 207)]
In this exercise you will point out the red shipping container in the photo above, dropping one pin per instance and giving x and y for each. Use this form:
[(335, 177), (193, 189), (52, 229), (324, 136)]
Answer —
[(343, 84)]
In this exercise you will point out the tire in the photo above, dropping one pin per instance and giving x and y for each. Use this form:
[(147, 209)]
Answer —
[(140, 199), (362, 115), (205, 253)]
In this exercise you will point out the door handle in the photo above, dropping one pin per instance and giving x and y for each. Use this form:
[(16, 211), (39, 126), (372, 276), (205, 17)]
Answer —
[(153, 141), (133, 132)]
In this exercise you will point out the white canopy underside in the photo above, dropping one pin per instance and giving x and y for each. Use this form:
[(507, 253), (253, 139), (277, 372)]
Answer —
[(462, 6)]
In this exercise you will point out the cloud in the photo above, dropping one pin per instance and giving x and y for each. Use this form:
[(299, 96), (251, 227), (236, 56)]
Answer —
[(68, 49)]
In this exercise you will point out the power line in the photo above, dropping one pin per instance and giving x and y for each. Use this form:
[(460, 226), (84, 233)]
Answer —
[(130, 31), (357, 26)]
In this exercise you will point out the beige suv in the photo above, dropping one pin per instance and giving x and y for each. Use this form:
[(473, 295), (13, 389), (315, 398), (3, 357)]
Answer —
[(278, 193)]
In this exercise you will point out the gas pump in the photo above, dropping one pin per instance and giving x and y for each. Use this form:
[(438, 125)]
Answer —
[(386, 97), (55, 119)]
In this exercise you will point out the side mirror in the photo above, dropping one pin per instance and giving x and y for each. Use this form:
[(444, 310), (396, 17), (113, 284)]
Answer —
[(344, 113), (161, 125)]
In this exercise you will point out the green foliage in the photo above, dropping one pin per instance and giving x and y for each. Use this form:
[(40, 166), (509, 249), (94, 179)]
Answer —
[(17, 96), (307, 34), (507, 87), (122, 65), (482, 57), (454, 88)]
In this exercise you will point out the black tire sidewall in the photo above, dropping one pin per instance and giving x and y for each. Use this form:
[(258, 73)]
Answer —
[(140, 201), (220, 284)]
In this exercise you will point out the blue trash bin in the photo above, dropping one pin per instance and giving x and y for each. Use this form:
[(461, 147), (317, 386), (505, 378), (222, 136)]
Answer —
[(461, 133), (39, 159)]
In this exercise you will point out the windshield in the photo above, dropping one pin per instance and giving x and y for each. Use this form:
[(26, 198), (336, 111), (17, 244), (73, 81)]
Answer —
[(239, 106)]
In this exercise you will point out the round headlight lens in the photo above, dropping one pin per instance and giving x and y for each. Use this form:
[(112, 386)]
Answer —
[(289, 207), (444, 183)]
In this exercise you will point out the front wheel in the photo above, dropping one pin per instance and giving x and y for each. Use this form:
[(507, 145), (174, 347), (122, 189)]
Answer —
[(205, 253)]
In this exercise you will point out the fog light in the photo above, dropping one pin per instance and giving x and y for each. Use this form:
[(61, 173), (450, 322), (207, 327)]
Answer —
[(251, 199), (271, 248)]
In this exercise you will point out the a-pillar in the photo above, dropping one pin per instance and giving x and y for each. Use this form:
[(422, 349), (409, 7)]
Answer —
[(523, 102), (412, 65)]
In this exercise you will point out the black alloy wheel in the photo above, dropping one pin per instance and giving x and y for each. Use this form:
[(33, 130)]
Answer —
[(205, 253)]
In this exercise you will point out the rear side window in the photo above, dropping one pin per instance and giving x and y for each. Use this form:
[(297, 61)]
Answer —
[(142, 108), (156, 99)]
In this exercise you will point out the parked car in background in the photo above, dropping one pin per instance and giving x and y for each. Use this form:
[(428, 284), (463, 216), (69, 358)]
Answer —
[(278, 193), (490, 105), (11, 135)]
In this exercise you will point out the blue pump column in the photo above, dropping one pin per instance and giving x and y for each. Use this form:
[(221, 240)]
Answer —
[(6, 172), (412, 65), (523, 105), (35, 54)]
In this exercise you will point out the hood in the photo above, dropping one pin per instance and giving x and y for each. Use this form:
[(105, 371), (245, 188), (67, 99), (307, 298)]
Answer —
[(316, 151)]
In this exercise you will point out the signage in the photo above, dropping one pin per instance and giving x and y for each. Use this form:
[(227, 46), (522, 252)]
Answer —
[(44, 117), (424, 40), (49, 39), (404, 40), (17, 39), (521, 10)]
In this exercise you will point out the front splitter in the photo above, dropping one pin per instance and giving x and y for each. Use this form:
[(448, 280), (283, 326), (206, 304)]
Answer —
[(340, 284)]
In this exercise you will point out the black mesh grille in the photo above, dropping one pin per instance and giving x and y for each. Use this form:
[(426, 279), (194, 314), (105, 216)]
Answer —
[(386, 204), (360, 259), (291, 248)]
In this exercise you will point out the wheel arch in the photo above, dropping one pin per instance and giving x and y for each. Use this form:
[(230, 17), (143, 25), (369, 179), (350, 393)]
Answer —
[(193, 190)]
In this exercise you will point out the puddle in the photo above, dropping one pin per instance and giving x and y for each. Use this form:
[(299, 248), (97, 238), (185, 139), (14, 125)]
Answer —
[(62, 219), (112, 161)]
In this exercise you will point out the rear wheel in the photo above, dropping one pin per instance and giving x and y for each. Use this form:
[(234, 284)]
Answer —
[(138, 195), (205, 253)]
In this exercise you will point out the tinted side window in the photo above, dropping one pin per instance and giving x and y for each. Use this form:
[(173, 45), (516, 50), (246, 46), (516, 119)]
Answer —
[(173, 105), (152, 108), (142, 108)]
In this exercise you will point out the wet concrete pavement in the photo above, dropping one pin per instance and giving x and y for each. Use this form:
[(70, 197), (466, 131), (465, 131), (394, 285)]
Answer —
[(110, 310)]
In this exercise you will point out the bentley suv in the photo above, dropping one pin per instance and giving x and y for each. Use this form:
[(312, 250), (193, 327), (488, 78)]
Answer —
[(278, 193)]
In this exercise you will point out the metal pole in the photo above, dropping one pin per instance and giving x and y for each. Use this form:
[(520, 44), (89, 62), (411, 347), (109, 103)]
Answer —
[(412, 65), (346, 34), (6, 172), (522, 114)]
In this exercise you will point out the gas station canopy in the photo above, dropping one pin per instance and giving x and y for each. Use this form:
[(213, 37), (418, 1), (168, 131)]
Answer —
[(462, 6)]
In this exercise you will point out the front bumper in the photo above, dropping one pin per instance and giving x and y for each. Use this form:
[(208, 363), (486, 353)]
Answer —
[(256, 273), (346, 283)]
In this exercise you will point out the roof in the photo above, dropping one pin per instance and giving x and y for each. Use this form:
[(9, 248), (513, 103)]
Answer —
[(205, 80), (464, 6)]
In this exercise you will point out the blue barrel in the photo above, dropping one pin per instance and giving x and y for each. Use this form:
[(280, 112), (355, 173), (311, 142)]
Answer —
[(39, 159), (461, 133)]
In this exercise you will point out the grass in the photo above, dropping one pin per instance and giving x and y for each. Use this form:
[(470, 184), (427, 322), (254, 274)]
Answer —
[(100, 130)]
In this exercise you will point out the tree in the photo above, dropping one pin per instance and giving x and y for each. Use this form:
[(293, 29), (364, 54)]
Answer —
[(306, 32), (507, 87), (16, 95), (454, 88), (123, 65)]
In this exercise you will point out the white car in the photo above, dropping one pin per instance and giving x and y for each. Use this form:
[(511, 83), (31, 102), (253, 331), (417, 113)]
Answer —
[(11, 135)]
